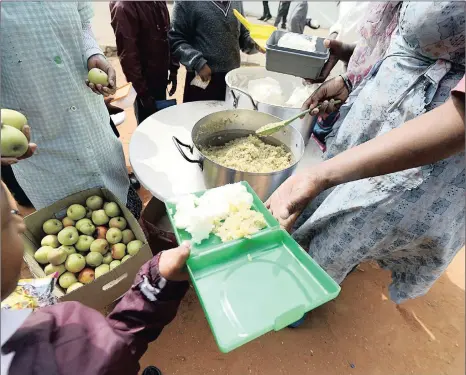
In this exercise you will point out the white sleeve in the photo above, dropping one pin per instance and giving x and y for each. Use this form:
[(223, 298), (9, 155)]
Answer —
[(91, 46)]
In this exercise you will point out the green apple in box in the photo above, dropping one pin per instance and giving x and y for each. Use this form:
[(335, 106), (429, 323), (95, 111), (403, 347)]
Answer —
[(50, 240), (94, 259), (76, 212), (94, 203), (52, 226), (68, 236), (100, 246), (102, 270), (57, 256), (75, 263)]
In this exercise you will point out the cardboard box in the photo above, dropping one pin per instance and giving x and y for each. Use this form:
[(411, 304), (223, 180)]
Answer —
[(107, 288)]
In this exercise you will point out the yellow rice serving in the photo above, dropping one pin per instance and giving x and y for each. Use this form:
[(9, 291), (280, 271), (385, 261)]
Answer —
[(250, 154)]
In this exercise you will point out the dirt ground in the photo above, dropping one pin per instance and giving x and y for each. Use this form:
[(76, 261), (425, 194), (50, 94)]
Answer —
[(361, 332)]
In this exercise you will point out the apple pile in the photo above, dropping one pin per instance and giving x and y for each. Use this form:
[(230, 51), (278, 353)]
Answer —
[(88, 243)]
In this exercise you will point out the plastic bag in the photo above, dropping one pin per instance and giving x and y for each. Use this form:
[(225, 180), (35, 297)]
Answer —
[(32, 294)]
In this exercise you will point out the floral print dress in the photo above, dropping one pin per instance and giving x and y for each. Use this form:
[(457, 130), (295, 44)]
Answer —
[(411, 222)]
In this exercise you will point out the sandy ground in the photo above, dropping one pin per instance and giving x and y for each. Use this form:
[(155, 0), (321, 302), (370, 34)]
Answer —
[(361, 332)]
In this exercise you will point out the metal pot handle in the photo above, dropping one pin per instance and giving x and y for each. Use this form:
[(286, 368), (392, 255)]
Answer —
[(178, 145), (236, 98)]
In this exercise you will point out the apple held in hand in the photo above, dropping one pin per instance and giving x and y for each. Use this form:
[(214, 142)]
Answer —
[(99, 246), (76, 212), (99, 217), (94, 259), (52, 226), (118, 222), (118, 251), (133, 247), (111, 209), (86, 276), (57, 256), (68, 236), (94, 202), (13, 142), (41, 255), (102, 270), (75, 263), (66, 280), (50, 240), (113, 236), (128, 236), (74, 286), (51, 269), (97, 77), (13, 118)]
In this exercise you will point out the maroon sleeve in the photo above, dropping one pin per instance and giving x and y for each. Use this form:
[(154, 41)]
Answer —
[(69, 338), (125, 25)]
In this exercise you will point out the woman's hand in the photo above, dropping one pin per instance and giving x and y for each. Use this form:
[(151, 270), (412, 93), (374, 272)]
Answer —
[(326, 94), (172, 263), (31, 149), (100, 62), (290, 199), (338, 51)]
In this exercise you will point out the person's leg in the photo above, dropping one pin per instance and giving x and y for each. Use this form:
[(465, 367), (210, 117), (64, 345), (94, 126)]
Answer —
[(268, 15), (140, 112), (286, 9), (279, 14), (263, 11)]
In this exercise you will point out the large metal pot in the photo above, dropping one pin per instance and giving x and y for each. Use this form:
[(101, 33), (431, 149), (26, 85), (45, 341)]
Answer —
[(221, 127), (237, 96)]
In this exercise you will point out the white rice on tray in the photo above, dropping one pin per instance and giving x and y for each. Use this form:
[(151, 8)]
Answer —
[(225, 211), (298, 42)]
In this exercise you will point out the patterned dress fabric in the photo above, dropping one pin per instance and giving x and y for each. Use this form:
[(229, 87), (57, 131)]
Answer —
[(411, 222), (45, 47)]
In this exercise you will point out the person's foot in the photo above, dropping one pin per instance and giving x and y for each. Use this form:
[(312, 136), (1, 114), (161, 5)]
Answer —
[(268, 17), (134, 181), (151, 370), (284, 26), (262, 18), (313, 24), (298, 322)]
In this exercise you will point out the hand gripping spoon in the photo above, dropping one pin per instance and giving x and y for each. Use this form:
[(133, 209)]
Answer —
[(274, 127)]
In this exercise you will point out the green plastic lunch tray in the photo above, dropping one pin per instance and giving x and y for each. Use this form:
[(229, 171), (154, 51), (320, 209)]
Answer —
[(251, 286)]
